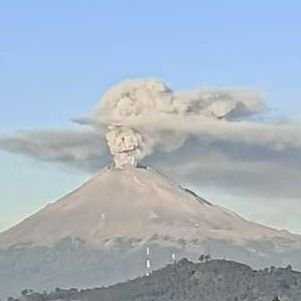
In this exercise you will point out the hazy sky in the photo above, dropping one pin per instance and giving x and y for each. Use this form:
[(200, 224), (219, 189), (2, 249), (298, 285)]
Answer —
[(58, 57)]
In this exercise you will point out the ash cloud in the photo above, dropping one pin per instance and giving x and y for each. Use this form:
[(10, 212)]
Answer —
[(210, 136), (152, 111), (141, 112), (83, 149)]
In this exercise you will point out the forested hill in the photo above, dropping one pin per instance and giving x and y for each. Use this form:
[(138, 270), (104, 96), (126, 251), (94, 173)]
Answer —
[(217, 280)]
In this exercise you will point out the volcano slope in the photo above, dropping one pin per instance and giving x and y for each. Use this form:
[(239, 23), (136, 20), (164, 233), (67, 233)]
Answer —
[(97, 234)]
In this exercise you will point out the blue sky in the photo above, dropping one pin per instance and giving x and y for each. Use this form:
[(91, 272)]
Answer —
[(58, 57)]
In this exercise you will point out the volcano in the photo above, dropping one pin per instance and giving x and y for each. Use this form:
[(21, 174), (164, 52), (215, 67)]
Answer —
[(134, 203), (98, 233)]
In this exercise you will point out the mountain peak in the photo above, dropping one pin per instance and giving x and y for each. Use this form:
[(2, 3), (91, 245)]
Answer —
[(133, 202)]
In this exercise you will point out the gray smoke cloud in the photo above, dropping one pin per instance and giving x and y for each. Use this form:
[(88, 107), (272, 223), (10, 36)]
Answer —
[(84, 149), (208, 136), (141, 112), (126, 145)]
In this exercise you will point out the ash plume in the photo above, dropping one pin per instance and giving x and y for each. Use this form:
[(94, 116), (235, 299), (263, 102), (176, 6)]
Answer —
[(211, 136), (140, 113), (125, 145)]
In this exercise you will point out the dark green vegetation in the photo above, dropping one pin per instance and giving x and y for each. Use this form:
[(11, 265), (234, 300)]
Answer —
[(71, 263), (213, 280)]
